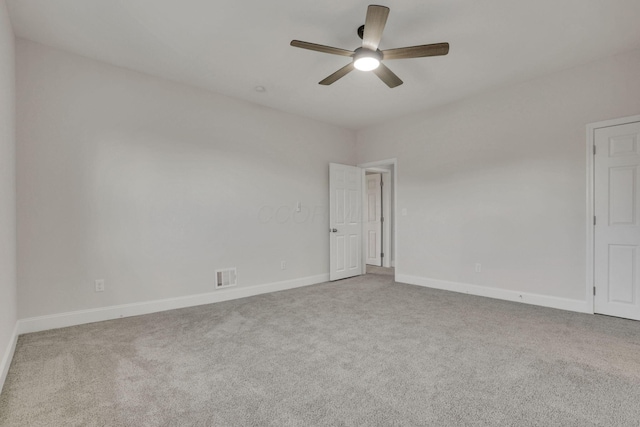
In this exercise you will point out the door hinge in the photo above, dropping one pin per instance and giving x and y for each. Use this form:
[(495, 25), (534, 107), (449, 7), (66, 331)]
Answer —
[(594, 150), (381, 183), (381, 219), (594, 291), (381, 255), (594, 220)]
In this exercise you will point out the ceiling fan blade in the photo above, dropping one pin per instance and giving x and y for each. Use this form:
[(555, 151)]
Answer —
[(387, 76), (338, 74), (321, 48), (374, 25), (435, 49)]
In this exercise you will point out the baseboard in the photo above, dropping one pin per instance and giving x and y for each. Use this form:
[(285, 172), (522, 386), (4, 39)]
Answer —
[(503, 294), (8, 356), (63, 320)]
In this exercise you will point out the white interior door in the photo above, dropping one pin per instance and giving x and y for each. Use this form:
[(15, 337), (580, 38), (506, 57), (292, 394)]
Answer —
[(372, 219), (617, 229), (345, 223)]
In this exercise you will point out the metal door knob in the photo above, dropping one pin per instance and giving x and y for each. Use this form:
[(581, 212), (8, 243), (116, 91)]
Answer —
[(333, 230)]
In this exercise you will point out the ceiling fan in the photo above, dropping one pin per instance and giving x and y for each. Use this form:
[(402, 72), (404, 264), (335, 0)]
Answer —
[(369, 57)]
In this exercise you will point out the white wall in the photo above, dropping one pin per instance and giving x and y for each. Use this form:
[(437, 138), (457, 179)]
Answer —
[(8, 302), (500, 179), (152, 186)]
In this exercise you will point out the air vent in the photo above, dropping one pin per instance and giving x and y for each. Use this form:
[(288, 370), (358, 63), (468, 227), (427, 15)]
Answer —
[(226, 277)]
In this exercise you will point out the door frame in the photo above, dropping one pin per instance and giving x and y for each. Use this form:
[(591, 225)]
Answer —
[(378, 166), (590, 260)]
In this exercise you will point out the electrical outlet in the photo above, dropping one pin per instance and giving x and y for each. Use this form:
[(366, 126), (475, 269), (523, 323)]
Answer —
[(99, 285), (283, 265), (478, 267)]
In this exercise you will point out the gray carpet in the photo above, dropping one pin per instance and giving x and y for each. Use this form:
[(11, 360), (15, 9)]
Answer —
[(362, 351), (374, 269)]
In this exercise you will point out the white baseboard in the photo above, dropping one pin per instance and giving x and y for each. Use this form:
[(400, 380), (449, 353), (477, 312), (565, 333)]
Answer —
[(503, 294), (7, 357), (62, 320)]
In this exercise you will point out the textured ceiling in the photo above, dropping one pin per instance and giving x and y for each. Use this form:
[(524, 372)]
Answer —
[(231, 46)]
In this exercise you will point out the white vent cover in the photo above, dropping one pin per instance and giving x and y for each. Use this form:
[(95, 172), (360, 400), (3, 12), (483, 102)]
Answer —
[(226, 277)]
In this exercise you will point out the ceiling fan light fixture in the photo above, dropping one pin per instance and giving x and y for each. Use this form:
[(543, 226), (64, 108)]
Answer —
[(366, 60)]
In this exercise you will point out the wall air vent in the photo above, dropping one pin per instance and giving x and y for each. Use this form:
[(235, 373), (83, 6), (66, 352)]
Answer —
[(226, 277)]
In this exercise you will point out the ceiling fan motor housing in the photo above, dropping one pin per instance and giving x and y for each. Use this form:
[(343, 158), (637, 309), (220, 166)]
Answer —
[(362, 52)]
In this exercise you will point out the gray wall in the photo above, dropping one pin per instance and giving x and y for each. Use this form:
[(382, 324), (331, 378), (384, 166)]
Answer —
[(7, 192), (152, 186), (500, 179)]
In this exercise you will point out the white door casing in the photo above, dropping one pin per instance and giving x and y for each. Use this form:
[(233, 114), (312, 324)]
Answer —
[(387, 219), (345, 221), (617, 216), (372, 219)]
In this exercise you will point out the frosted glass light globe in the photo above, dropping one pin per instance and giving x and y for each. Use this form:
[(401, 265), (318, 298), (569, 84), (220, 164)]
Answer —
[(366, 63)]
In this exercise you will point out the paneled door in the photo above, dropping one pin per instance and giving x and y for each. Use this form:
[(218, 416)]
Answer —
[(373, 219), (345, 221), (617, 222)]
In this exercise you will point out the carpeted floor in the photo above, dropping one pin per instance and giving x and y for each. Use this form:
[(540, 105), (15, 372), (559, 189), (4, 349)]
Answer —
[(373, 269), (362, 351)]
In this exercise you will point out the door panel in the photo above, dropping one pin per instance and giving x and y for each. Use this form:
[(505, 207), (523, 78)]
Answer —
[(622, 195), (617, 229), (354, 246), (345, 212), (372, 249), (621, 273)]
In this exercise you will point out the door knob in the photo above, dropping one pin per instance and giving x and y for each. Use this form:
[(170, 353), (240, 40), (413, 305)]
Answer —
[(333, 230)]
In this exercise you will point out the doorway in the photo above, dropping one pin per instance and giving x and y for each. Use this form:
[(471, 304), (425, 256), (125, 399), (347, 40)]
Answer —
[(347, 197), (615, 233), (379, 219)]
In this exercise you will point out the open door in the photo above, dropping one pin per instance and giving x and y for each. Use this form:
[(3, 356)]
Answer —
[(345, 221), (617, 221)]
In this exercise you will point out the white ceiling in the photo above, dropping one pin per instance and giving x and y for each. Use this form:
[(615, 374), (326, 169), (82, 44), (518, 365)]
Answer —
[(232, 46)]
